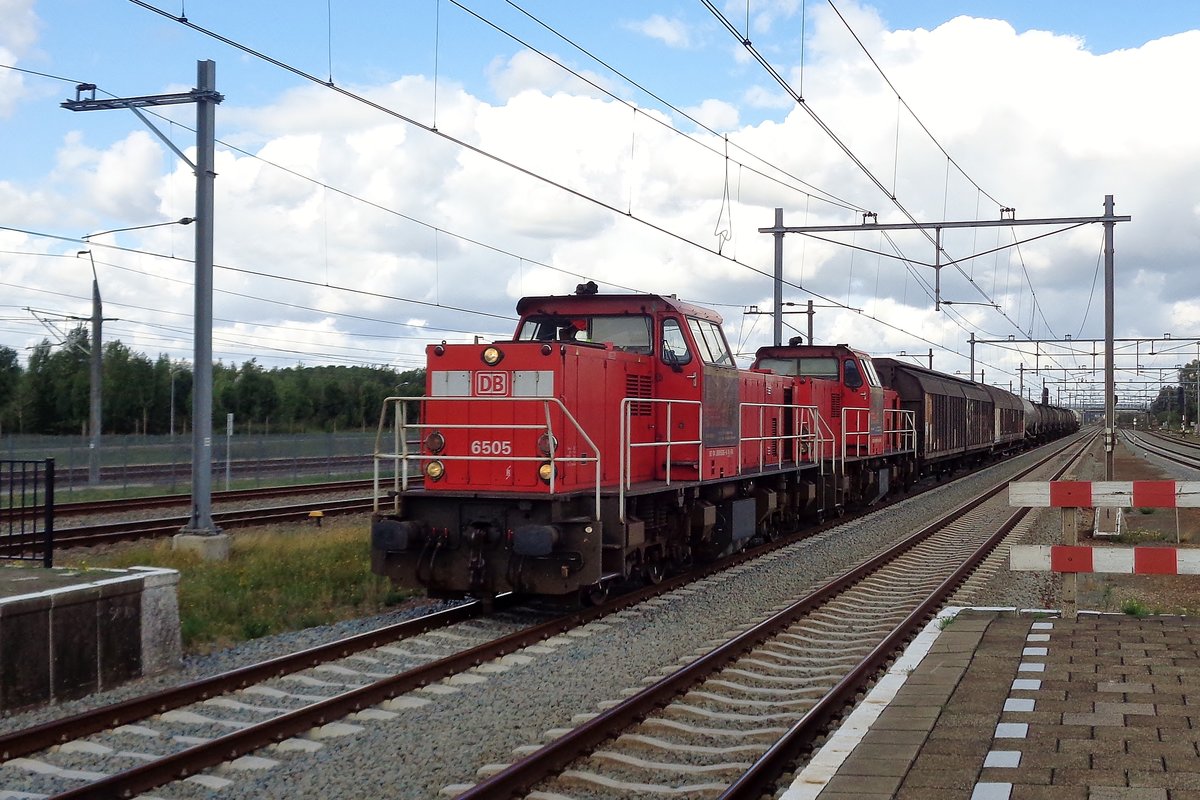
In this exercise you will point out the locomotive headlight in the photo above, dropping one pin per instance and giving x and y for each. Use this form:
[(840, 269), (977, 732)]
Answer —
[(547, 443), (434, 442), (434, 470), (492, 356), (546, 471)]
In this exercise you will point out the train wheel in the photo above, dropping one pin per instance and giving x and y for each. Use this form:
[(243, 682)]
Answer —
[(654, 572), (595, 594)]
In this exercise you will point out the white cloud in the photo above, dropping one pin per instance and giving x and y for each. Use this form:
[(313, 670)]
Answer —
[(1032, 117), (528, 71), (762, 97), (671, 31), (21, 25), (717, 115), (18, 34)]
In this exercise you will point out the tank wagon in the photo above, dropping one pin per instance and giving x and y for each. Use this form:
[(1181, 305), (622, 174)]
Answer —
[(613, 438)]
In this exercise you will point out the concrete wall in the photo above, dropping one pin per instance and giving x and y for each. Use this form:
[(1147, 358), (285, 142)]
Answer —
[(70, 640)]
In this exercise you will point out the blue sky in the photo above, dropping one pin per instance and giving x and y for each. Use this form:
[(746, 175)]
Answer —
[(1041, 121), (1105, 26), (129, 50)]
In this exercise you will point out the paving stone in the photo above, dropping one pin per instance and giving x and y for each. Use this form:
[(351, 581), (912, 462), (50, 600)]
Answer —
[(1187, 781), (1028, 792), (940, 779), (871, 765), (974, 748), (1022, 774), (1125, 708), (1125, 793), (1181, 750), (1087, 746), (1087, 777), (863, 785)]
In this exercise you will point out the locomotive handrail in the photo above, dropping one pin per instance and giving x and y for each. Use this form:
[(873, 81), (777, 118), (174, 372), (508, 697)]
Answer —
[(861, 436), (626, 445), (823, 426), (802, 432), (906, 427), (403, 456)]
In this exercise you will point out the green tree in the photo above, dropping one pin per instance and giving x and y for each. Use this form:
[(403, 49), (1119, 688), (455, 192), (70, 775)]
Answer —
[(129, 389), (60, 380), (10, 383)]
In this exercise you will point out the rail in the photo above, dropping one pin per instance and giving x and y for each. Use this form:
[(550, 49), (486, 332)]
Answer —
[(26, 485), (403, 457)]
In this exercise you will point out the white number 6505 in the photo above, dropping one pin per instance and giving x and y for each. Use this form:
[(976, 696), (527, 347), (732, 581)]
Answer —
[(491, 448)]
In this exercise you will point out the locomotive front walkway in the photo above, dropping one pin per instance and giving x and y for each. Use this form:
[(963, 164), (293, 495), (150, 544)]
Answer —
[(992, 705)]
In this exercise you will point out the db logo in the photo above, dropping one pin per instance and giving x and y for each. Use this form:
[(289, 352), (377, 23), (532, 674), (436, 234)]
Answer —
[(491, 383)]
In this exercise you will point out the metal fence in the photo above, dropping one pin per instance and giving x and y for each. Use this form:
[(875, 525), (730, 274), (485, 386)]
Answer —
[(165, 462), (27, 511)]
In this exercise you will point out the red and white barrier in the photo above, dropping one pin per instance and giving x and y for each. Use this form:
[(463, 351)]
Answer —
[(1101, 494), (1123, 560), (1072, 559)]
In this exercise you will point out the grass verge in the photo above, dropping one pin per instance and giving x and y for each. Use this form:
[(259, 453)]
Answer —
[(275, 580)]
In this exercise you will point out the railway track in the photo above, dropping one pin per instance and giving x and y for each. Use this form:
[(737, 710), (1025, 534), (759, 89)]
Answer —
[(370, 685), (733, 720), (360, 688), (125, 505), (1158, 446), (101, 533), (181, 470), (105, 533)]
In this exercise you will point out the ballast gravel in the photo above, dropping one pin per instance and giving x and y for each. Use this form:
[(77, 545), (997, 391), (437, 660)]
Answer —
[(461, 726)]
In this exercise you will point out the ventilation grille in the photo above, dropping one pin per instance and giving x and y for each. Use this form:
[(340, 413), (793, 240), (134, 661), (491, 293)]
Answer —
[(638, 386)]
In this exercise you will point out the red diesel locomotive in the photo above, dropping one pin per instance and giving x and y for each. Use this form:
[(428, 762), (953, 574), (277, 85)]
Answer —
[(612, 439)]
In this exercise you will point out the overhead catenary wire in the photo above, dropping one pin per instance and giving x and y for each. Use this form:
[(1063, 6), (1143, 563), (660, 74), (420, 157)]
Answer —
[(683, 238), (912, 113), (377, 106), (815, 193), (841, 144), (483, 153)]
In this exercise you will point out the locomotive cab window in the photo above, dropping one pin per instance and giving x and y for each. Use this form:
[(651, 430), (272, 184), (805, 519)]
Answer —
[(853, 378), (872, 375), (630, 333), (710, 342), (802, 367), (674, 345)]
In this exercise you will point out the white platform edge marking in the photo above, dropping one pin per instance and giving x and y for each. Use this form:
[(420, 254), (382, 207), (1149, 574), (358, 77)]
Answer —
[(825, 764)]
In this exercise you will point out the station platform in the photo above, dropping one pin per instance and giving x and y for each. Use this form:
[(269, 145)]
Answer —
[(67, 633), (995, 704)]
